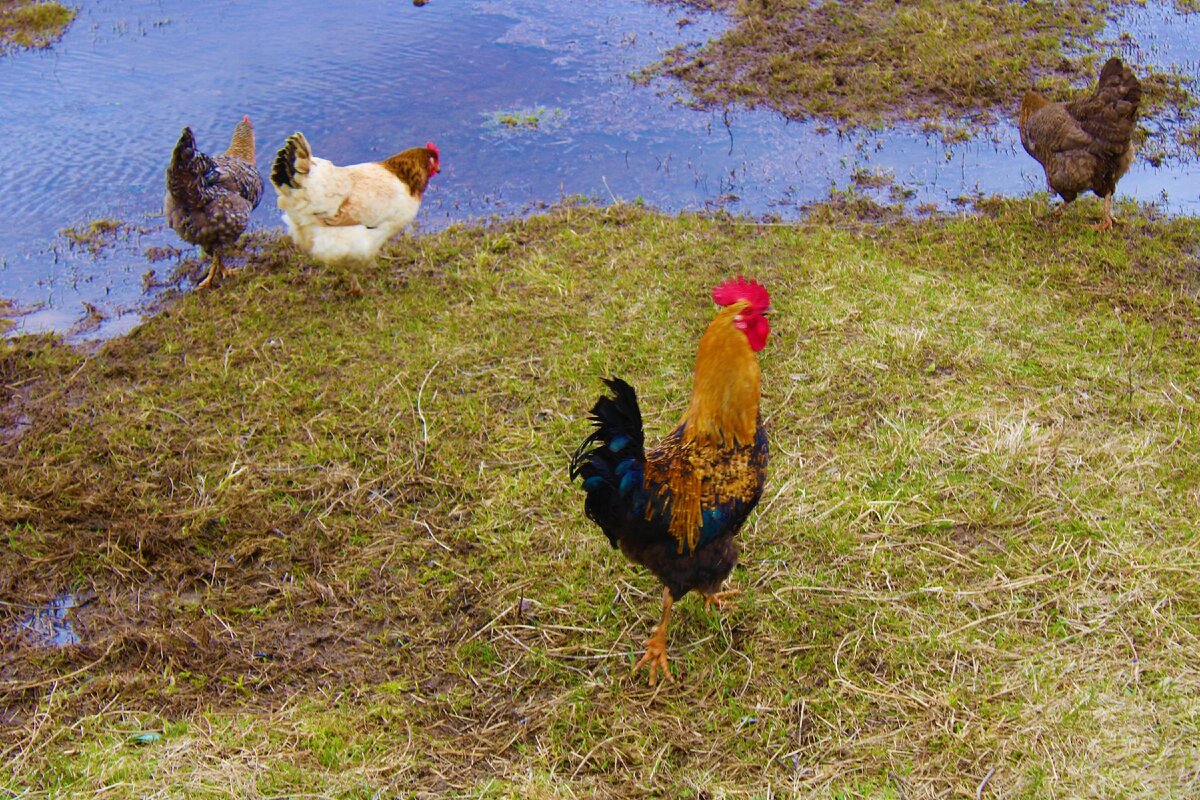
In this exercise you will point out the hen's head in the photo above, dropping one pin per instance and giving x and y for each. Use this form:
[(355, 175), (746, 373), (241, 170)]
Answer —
[(242, 143), (754, 304), (435, 159), (1031, 102)]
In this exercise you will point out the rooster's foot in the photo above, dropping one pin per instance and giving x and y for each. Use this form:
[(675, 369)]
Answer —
[(656, 655), (720, 599), (656, 645)]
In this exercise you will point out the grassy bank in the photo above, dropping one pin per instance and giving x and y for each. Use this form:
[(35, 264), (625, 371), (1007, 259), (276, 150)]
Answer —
[(32, 24), (327, 544), (947, 65)]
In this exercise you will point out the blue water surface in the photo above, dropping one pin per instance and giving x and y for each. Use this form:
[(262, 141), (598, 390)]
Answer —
[(88, 125)]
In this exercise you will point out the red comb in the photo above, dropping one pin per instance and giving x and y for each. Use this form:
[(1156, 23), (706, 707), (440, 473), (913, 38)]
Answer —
[(731, 290), (433, 147)]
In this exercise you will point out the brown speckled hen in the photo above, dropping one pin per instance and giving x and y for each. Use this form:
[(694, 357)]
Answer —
[(1087, 143), (209, 198), (677, 507)]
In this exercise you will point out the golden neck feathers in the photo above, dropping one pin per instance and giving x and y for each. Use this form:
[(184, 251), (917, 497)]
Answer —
[(725, 394), (242, 144)]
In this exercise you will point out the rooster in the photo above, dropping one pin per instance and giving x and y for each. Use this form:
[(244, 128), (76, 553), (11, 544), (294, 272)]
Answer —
[(676, 508), (343, 215), (209, 198), (1087, 143)]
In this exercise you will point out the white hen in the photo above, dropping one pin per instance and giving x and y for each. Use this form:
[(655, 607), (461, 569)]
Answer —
[(343, 215)]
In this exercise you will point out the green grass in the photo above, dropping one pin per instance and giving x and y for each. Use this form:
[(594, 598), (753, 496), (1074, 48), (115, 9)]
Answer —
[(950, 67), (335, 551), (97, 235), (526, 120), (26, 24), (519, 119)]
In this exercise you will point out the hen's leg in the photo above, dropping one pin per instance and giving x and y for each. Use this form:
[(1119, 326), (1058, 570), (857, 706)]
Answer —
[(1058, 210), (215, 270), (656, 645), (1107, 222), (720, 599)]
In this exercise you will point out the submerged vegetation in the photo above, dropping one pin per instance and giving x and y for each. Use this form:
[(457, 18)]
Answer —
[(527, 120), (26, 23), (868, 62), (333, 549), (96, 236)]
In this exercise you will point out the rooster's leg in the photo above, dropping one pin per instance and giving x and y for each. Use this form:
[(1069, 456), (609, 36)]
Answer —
[(656, 645), (1107, 222), (215, 271), (720, 599)]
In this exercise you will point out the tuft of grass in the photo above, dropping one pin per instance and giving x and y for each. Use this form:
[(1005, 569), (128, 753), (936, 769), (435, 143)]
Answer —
[(96, 236), (334, 550), (520, 119), (953, 67), (32, 24), (529, 119)]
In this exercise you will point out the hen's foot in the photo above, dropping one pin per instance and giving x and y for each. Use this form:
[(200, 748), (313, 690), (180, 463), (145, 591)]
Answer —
[(720, 599), (656, 655), (1055, 214), (1108, 218), (215, 271), (356, 289)]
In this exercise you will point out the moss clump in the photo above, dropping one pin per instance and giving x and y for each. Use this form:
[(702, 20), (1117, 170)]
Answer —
[(869, 62), (32, 24)]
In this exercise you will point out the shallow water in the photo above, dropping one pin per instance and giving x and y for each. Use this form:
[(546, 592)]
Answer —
[(50, 625), (90, 124)]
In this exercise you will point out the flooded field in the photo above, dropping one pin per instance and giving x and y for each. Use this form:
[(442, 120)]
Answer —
[(528, 102)]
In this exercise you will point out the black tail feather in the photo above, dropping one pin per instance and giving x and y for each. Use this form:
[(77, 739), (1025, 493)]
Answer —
[(611, 461), (618, 433), (283, 173)]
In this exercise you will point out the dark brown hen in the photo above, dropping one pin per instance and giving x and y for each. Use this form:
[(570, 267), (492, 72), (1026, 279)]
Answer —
[(1087, 143), (210, 198)]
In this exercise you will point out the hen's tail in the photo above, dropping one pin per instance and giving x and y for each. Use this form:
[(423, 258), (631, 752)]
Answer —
[(612, 460), (293, 159), (186, 172), (1119, 85), (1109, 114)]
